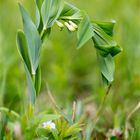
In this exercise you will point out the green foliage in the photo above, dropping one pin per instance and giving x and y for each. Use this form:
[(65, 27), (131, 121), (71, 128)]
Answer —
[(107, 66), (85, 31), (88, 131), (104, 42), (50, 12), (63, 131), (10, 113), (73, 74), (29, 45), (24, 54), (32, 38)]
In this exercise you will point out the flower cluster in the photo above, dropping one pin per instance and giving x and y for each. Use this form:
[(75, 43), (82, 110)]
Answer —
[(71, 26)]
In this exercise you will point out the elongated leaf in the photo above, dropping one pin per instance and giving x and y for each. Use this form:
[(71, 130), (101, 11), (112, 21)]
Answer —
[(39, 4), (45, 12), (104, 43), (55, 134), (50, 11), (32, 91), (73, 129), (107, 66), (32, 38), (10, 113), (43, 117), (37, 17), (88, 131), (105, 81), (38, 80), (106, 26), (39, 23), (85, 32), (69, 10), (29, 112), (38, 11), (79, 109), (22, 47), (24, 54), (76, 16)]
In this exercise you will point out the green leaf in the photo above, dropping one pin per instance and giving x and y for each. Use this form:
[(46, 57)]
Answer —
[(106, 26), (12, 114), (29, 111), (105, 81), (104, 43), (49, 117), (107, 66), (38, 80), (24, 54), (113, 138), (73, 129), (73, 138), (32, 38), (44, 117), (85, 32), (39, 23), (39, 4), (50, 11), (38, 18), (55, 134), (76, 16), (79, 109), (69, 10), (88, 131), (32, 91), (22, 47)]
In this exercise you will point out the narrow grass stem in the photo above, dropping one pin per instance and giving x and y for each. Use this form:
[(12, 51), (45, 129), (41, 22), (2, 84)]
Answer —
[(52, 99), (102, 105), (73, 111), (56, 106), (128, 118), (42, 33)]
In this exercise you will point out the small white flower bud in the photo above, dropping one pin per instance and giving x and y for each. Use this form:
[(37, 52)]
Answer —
[(73, 24), (61, 25), (70, 27)]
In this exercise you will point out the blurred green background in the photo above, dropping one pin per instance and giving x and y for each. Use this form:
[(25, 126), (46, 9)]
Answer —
[(73, 74)]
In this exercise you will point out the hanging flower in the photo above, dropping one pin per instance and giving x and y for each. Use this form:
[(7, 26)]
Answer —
[(59, 24), (73, 24), (70, 27)]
